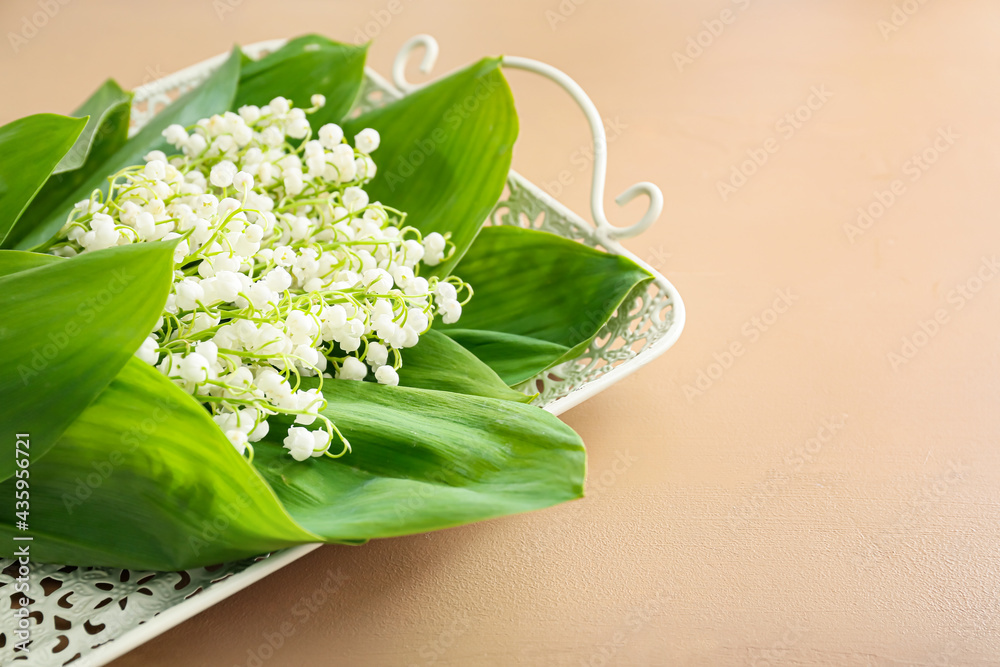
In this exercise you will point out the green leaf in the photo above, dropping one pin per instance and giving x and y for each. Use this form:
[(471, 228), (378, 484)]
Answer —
[(106, 132), (424, 460), (145, 479), (214, 95), (301, 68), (445, 152), (66, 329), (513, 358), (540, 299), (107, 128), (437, 362), (13, 261), (31, 148)]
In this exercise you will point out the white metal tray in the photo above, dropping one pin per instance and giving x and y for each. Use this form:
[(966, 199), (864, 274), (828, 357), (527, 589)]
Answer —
[(91, 615)]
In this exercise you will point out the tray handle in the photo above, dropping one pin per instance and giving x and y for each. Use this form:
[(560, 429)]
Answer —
[(430, 47)]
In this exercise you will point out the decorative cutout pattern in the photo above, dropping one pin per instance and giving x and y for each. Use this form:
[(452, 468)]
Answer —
[(76, 610)]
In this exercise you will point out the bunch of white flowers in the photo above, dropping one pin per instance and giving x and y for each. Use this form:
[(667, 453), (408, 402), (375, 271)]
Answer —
[(283, 269)]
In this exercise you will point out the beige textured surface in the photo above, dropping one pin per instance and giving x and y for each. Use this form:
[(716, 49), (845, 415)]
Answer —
[(731, 526)]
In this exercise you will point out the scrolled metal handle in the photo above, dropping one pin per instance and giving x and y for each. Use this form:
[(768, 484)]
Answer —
[(604, 226)]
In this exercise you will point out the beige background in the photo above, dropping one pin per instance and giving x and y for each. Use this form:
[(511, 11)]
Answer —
[(719, 528)]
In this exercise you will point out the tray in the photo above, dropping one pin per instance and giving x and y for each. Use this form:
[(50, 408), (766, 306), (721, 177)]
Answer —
[(90, 616)]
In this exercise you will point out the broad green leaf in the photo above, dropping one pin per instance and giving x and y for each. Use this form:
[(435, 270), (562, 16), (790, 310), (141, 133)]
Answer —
[(106, 132), (445, 152), (13, 261), (145, 479), (214, 95), (513, 358), (107, 128), (424, 460), (301, 68), (30, 148), (540, 299), (437, 362), (66, 329)]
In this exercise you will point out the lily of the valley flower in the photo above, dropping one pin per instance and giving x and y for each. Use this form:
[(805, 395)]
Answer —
[(284, 267)]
